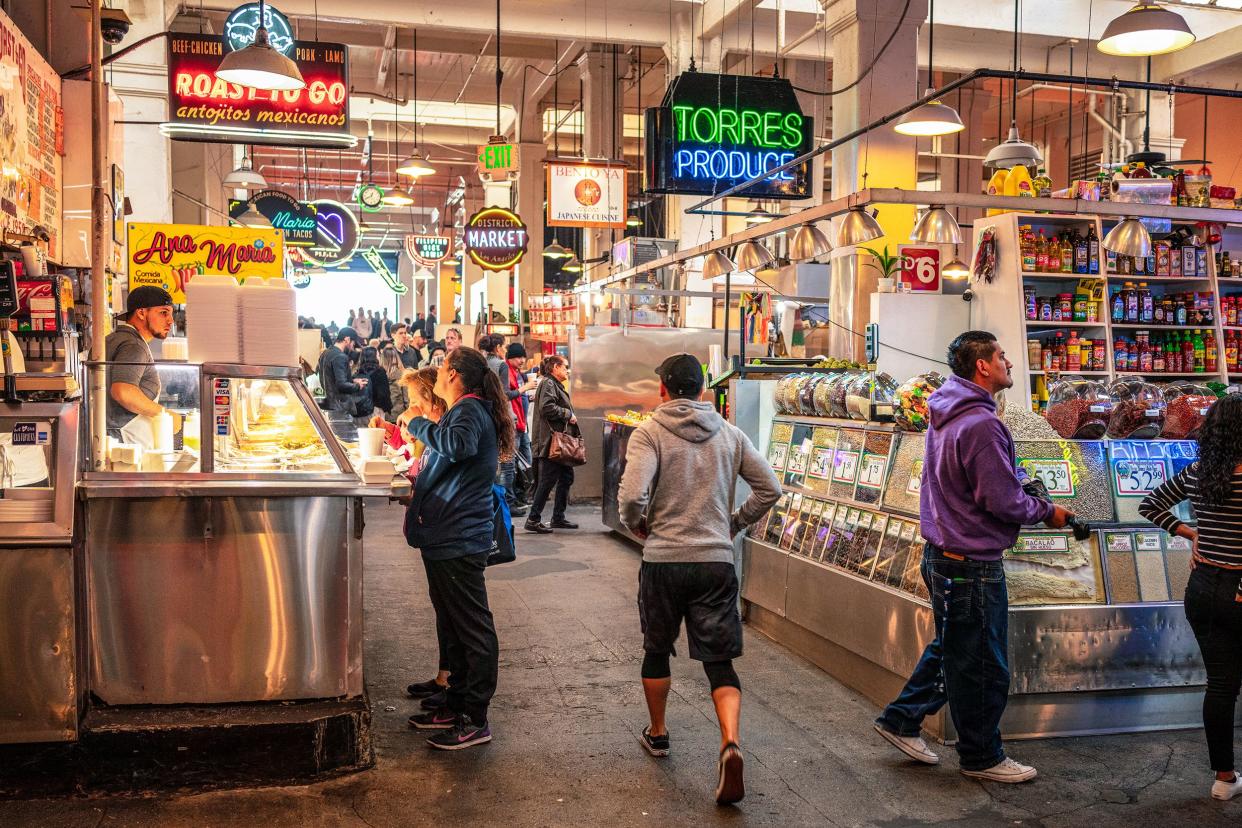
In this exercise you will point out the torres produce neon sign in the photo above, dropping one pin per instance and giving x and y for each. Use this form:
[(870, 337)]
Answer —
[(714, 131)]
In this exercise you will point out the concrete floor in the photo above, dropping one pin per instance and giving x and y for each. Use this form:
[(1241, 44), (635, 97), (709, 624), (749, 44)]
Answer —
[(569, 709)]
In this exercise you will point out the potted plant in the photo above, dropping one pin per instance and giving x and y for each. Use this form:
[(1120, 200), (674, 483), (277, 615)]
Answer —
[(887, 265)]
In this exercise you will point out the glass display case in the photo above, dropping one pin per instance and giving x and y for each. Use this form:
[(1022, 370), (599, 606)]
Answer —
[(38, 452)]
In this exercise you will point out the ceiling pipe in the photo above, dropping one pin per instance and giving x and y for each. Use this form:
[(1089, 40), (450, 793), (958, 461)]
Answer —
[(952, 86), (1125, 144)]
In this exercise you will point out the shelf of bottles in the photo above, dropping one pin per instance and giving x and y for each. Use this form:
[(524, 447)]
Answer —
[(552, 315), (1084, 310)]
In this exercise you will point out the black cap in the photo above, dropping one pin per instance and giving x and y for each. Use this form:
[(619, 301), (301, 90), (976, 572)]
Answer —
[(515, 349), (682, 375), (146, 296), (347, 333)]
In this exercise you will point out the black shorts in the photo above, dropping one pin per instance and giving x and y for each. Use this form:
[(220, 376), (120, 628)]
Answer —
[(704, 594)]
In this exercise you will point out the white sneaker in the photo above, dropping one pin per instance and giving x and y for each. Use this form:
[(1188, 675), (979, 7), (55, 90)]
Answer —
[(1225, 791), (1006, 771), (912, 746)]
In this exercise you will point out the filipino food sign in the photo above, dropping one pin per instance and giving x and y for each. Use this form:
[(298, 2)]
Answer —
[(428, 249), (171, 255), (712, 132), (496, 238), (203, 107)]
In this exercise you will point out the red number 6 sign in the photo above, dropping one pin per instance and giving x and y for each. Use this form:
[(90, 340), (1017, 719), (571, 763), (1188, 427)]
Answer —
[(920, 268)]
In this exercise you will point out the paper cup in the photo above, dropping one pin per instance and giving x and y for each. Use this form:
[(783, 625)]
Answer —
[(370, 443)]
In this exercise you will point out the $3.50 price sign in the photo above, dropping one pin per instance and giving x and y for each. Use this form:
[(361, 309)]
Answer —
[(920, 268), (1054, 474), (1139, 477)]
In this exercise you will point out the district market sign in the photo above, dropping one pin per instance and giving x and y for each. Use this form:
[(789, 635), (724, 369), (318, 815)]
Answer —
[(496, 238)]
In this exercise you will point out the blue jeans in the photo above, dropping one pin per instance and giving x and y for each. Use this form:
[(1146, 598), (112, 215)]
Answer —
[(508, 468), (966, 665)]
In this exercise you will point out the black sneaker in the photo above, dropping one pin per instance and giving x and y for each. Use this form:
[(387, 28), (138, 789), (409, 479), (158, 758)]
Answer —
[(518, 511), (537, 528), (435, 700), (563, 524), (423, 689), (440, 719), (463, 734), (730, 788), (655, 745)]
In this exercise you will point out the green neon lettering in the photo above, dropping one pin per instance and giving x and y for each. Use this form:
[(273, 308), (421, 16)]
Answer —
[(793, 130), (710, 137), (751, 121), (729, 126), (771, 129), (680, 116)]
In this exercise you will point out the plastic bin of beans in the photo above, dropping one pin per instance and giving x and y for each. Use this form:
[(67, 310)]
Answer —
[(1084, 485), (902, 492), (778, 396), (1079, 408), (910, 401), (1138, 410), (823, 395), (870, 397), (846, 463), (1188, 406), (836, 395), (806, 395)]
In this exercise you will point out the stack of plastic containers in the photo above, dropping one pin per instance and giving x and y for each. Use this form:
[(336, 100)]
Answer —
[(213, 319), (269, 323)]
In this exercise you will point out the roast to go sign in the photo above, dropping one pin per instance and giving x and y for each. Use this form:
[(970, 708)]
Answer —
[(496, 238), (427, 249)]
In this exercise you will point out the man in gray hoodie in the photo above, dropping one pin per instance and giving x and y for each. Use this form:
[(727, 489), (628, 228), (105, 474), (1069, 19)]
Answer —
[(677, 495)]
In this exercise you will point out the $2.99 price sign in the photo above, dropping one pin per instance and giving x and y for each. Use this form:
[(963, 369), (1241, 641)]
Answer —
[(1137, 478), (920, 268)]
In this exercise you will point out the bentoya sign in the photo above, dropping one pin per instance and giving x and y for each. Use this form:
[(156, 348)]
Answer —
[(496, 238), (714, 131)]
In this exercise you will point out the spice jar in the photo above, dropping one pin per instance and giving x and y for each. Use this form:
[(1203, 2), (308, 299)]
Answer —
[(1188, 406), (1080, 307), (1079, 408), (1138, 410)]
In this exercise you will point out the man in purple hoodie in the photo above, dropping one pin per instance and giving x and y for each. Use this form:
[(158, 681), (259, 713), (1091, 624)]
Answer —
[(971, 507)]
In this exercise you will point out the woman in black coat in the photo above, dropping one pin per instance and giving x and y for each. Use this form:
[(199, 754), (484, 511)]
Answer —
[(552, 411)]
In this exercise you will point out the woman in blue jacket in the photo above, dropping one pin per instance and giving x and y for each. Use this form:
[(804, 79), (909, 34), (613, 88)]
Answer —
[(450, 520)]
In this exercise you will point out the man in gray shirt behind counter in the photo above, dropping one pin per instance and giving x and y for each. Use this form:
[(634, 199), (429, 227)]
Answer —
[(133, 384), (677, 494)]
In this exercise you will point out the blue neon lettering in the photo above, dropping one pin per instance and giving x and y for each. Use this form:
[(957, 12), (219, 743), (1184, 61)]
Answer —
[(737, 164), (719, 164), (787, 175), (683, 158), (732, 165), (700, 164)]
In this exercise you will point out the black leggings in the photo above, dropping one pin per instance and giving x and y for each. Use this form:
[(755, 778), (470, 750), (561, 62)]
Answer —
[(719, 673), (1216, 617), (550, 475)]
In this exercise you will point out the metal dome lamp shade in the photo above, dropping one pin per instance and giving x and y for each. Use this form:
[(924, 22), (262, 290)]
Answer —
[(1013, 151), (1129, 238), (716, 264), (932, 118), (423, 275), (759, 216), (937, 226), (858, 227), (556, 251), (956, 270), (253, 218), (1145, 30), (245, 177), (633, 220), (751, 255), (573, 265), (398, 196), (415, 165), (809, 242), (259, 66)]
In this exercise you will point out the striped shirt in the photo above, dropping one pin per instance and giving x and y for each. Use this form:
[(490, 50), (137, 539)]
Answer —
[(1220, 527)]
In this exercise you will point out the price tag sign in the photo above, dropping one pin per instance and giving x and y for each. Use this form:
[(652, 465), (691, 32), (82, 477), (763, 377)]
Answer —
[(778, 455), (851, 519), (907, 532), (1147, 541), (1138, 477), (845, 467), (1054, 474), (915, 484), (864, 520), (872, 470), (1119, 542), (1176, 543), (821, 463), (797, 461), (1042, 544), (920, 267)]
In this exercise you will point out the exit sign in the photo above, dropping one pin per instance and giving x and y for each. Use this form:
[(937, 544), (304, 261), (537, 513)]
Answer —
[(498, 158)]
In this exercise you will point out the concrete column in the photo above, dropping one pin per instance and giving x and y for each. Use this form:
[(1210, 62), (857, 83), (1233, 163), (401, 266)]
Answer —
[(858, 28), (530, 194), (599, 112)]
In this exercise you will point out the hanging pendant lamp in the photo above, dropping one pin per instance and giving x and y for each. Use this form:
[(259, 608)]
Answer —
[(716, 264), (933, 117), (556, 251), (259, 66), (809, 242), (398, 196), (1013, 150), (423, 275), (937, 226), (751, 255), (415, 165), (253, 218), (858, 227), (1145, 30), (1129, 238), (245, 177), (759, 216), (633, 220), (574, 265), (955, 270)]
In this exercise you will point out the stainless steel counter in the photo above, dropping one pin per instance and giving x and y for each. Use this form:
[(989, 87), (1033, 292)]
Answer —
[(616, 442)]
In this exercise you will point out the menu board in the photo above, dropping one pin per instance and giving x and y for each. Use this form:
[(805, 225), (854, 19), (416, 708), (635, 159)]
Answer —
[(32, 139)]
